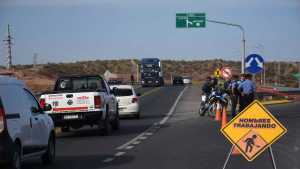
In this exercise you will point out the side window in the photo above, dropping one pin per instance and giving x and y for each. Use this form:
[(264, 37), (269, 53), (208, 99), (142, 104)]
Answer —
[(31, 100)]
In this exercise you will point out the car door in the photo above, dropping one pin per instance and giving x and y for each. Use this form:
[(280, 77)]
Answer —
[(111, 99), (37, 123)]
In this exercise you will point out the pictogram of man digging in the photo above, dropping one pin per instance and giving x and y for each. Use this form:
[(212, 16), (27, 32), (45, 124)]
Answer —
[(250, 142)]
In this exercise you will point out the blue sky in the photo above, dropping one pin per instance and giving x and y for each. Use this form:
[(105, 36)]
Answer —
[(73, 30)]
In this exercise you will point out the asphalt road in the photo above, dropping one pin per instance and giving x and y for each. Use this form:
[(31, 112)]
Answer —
[(86, 149), (184, 141)]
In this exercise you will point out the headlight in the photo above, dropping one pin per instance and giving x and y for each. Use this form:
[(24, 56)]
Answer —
[(143, 81), (156, 81)]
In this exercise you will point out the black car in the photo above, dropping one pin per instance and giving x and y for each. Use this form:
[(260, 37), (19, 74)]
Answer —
[(178, 80)]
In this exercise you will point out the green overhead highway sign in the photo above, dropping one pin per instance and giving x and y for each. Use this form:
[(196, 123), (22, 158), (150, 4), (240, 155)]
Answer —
[(190, 20)]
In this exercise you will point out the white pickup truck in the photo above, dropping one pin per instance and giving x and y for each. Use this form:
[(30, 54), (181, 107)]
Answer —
[(82, 100)]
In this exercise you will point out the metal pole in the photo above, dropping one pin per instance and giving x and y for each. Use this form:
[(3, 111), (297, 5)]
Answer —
[(137, 73), (272, 158), (228, 157), (299, 76), (243, 40)]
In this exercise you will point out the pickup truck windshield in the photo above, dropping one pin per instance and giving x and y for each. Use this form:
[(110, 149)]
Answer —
[(79, 84)]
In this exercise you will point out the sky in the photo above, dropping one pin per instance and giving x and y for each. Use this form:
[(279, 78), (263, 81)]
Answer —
[(76, 30)]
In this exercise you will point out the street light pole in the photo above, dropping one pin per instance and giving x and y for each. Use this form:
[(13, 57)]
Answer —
[(243, 40)]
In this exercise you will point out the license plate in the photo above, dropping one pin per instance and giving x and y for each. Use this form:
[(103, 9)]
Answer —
[(203, 98), (68, 117)]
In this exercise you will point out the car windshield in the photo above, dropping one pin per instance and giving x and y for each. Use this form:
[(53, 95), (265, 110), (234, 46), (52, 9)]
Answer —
[(123, 92)]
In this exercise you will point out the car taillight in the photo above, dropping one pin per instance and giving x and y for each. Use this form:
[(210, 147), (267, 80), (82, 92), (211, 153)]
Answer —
[(42, 103), (97, 101), (134, 100), (2, 119)]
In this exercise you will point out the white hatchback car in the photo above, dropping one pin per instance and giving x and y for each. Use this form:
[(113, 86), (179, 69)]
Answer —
[(128, 100), (25, 130)]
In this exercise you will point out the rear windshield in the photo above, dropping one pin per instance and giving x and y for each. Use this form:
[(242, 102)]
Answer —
[(124, 92), (79, 84)]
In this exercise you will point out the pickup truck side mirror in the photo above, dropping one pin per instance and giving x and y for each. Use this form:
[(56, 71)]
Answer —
[(113, 91), (47, 107), (139, 94)]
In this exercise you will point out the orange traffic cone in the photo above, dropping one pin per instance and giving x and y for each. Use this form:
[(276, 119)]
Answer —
[(224, 117), (218, 112), (235, 151)]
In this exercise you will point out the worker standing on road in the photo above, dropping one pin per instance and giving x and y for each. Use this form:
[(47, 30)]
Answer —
[(247, 89), (240, 90), (207, 86), (234, 94)]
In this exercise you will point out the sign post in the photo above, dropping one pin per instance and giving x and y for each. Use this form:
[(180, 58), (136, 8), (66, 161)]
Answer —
[(253, 131), (217, 73), (254, 63), (226, 72)]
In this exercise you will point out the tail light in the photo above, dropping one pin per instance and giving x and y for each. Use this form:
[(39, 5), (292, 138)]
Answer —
[(134, 100), (97, 101), (2, 118), (42, 103)]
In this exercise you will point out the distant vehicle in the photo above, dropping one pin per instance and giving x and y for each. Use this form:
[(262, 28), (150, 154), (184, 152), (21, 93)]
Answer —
[(187, 79), (128, 100), (178, 80), (151, 72), (82, 100), (25, 130)]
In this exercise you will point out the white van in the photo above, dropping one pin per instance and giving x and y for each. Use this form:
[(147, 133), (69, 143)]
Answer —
[(25, 130)]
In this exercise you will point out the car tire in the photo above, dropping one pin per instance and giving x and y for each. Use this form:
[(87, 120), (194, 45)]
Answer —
[(65, 129), (116, 122), (137, 115), (106, 126), (49, 156), (16, 160)]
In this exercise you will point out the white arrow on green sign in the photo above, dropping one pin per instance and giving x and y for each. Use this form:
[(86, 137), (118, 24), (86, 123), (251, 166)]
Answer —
[(190, 20)]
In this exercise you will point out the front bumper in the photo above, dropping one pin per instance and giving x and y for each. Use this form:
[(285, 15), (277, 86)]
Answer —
[(76, 118)]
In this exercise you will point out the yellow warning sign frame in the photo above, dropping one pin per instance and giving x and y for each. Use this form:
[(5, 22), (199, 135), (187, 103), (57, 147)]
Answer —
[(268, 143)]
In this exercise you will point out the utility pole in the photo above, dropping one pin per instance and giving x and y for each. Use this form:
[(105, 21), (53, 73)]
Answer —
[(243, 40), (279, 67), (299, 73), (35, 57), (8, 43)]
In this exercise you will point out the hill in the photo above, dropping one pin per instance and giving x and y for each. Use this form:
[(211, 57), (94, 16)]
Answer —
[(42, 77)]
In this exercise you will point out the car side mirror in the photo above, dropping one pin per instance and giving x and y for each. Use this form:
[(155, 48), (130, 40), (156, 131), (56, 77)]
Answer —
[(113, 91), (34, 110), (139, 94), (47, 107)]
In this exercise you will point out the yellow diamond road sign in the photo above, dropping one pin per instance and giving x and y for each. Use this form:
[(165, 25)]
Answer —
[(217, 73), (253, 130)]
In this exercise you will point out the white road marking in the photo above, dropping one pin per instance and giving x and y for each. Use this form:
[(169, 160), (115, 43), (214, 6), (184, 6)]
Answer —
[(143, 138), (148, 134), (118, 154), (108, 160), (136, 143), (163, 121), (129, 147)]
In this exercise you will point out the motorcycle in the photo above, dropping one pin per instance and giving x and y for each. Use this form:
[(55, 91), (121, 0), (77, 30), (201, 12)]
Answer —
[(208, 104)]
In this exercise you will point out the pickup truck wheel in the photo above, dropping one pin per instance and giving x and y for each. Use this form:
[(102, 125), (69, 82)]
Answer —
[(49, 156), (16, 161), (65, 129), (106, 125), (116, 121)]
